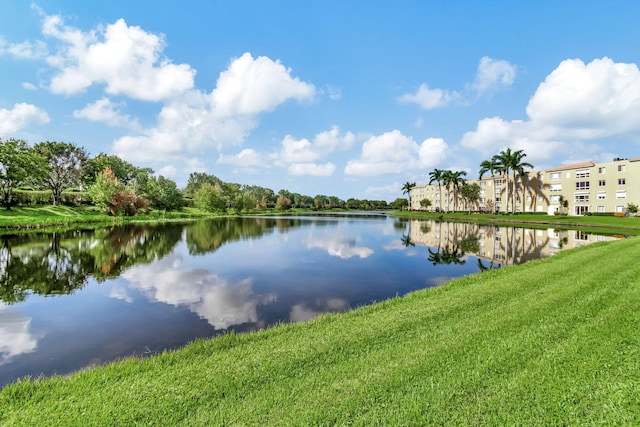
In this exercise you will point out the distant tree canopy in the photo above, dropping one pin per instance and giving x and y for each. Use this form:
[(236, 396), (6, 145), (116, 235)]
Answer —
[(121, 188)]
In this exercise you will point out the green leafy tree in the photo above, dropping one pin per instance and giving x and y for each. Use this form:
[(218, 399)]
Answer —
[(110, 195), (18, 164), (123, 170), (511, 161), (321, 201), (399, 203), (244, 201), (406, 189), (209, 198), (66, 166), (470, 193), (425, 203), (283, 203), (197, 180), (163, 193)]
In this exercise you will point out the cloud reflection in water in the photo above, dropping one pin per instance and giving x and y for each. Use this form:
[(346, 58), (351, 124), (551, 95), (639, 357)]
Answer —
[(221, 303)]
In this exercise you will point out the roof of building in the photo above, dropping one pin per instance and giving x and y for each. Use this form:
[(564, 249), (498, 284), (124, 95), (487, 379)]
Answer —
[(635, 159), (571, 166)]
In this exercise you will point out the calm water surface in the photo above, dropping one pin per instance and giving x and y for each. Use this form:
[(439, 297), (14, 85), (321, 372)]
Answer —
[(82, 298)]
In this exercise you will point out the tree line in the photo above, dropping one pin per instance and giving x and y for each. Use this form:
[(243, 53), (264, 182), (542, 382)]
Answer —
[(52, 172)]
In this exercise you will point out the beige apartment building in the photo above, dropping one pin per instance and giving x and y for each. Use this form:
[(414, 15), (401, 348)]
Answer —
[(586, 187)]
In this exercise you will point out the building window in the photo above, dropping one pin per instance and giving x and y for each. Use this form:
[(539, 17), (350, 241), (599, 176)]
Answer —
[(554, 199), (602, 183), (554, 176), (602, 170), (498, 182), (498, 199), (621, 194), (581, 210), (584, 173), (582, 185), (602, 195), (600, 208), (620, 168), (582, 198), (581, 235), (620, 208), (622, 181), (555, 187)]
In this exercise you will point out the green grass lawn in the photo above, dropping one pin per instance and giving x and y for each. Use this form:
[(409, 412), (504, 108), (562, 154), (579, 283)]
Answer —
[(45, 216), (550, 342), (631, 224)]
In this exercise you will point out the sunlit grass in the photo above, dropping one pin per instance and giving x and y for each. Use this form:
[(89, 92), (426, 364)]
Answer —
[(550, 342), (627, 225), (45, 216)]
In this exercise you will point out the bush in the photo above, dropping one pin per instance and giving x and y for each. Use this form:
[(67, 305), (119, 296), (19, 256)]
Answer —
[(76, 198), (31, 198)]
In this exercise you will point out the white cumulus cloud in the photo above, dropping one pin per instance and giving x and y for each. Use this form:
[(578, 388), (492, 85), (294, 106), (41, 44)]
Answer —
[(429, 98), (196, 121), (493, 73), (303, 156), (252, 86), (312, 169), (127, 59), (24, 50), (21, 116), (393, 153), (577, 104), (247, 158), (105, 111)]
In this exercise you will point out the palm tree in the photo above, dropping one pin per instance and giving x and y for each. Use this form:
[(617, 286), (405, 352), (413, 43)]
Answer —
[(437, 175), (406, 189), (492, 167), (447, 181), (456, 179), (508, 161)]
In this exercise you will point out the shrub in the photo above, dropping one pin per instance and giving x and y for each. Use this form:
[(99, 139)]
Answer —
[(75, 198), (30, 198)]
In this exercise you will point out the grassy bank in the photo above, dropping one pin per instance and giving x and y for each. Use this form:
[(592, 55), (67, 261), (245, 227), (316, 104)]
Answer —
[(551, 342), (50, 216), (629, 225)]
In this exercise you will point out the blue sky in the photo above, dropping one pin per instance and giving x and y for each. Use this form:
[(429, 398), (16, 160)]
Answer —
[(344, 98)]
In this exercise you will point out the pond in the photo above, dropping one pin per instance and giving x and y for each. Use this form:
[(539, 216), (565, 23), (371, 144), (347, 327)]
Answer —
[(75, 299)]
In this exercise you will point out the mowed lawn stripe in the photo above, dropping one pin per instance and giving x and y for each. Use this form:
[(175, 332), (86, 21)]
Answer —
[(545, 343)]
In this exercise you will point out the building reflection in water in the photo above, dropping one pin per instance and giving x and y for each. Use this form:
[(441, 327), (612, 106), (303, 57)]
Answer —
[(495, 245)]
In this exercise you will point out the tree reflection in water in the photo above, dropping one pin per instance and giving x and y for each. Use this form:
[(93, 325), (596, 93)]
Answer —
[(61, 262)]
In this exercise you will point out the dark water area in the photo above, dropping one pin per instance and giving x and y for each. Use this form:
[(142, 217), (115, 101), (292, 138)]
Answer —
[(76, 299)]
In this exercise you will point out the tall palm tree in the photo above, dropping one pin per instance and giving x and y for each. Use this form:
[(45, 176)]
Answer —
[(406, 189), (511, 161), (456, 179), (447, 180), (437, 175), (490, 166)]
